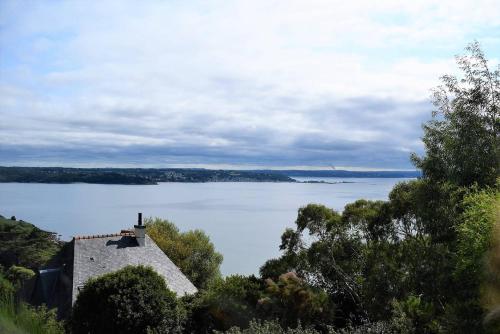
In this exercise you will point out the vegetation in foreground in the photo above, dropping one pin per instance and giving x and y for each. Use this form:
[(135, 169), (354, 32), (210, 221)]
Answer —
[(425, 261), (17, 317), (130, 300)]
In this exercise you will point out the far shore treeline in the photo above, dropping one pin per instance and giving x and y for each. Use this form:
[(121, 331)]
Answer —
[(134, 176)]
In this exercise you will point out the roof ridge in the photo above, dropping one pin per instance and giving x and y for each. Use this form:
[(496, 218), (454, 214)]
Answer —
[(96, 236)]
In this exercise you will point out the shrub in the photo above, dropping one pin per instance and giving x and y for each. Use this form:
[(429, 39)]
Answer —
[(19, 275), (21, 318), (292, 301), (134, 299), (191, 251), (6, 289), (226, 303), (269, 327)]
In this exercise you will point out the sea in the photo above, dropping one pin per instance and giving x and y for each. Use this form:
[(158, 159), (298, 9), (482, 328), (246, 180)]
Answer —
[(244, 220)]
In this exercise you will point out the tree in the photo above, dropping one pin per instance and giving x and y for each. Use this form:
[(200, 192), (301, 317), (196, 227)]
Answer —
[(476, 239), (130, 300), (370, 218), (416, 262), (462, 143), (293, 302), (191, 251), (227, 302), (475, 234), (329, 259), (462, 155)]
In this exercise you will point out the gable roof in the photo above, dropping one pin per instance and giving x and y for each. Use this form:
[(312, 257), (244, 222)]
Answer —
[(101, 254)]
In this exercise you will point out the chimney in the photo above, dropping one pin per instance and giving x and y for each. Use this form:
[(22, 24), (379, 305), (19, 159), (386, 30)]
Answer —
[(140, 231)]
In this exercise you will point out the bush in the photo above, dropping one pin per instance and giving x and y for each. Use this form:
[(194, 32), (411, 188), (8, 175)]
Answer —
[(227, 303), (269, 327), (19, 275), (21, 318), (292, 301), (191, 251), (491, 284), (6, 289), (130, 300)]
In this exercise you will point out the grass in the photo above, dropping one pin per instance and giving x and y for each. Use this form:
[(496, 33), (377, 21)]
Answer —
[(19, 318)]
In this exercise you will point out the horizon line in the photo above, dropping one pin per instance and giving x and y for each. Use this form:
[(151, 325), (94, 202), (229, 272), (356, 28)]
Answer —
[(216, 167)]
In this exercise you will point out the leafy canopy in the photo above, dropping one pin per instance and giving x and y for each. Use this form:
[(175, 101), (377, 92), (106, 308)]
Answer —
[(191, 251), (130, 300), (462, 143)]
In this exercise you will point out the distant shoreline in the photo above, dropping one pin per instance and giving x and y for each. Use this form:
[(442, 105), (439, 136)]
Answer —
[(153, 176)]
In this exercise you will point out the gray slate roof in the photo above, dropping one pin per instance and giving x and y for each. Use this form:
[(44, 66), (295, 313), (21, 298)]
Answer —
[(98, 255)]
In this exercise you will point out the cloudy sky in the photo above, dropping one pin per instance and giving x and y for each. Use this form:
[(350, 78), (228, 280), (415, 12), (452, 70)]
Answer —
[(227, 83)]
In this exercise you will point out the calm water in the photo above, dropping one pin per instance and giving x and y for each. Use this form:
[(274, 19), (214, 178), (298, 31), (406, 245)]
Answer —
[(244, 220)]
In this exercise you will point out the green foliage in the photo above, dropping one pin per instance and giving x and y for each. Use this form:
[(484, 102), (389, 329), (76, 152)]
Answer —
[(228, 302), (6, 288), (269, 327), (23, 244), (413, 315), (19, 318), (375, 257), (475, 233), (191, 251), (426, 208), (294, 302), (131, 300), (380, 327), (19, 275), (273, 327), (463, 311), (462, 143), (381, 279), (22, 318), (236, 300), (333, 259), (490, 289), (371, 219), (274, 268)]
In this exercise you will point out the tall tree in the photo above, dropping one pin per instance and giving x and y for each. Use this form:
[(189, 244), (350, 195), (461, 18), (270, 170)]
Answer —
[(191, 251), (462, 142)]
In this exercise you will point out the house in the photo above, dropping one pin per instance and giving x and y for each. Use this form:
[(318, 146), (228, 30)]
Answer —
[(91, 256)]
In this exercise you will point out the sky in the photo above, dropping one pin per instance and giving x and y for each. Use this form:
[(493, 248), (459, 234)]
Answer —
[(238, 84)]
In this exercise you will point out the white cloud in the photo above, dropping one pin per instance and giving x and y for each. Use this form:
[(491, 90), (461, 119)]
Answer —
[(248, 81)]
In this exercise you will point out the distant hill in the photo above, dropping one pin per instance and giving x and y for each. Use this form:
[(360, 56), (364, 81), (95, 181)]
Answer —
[(347, 173), (154, 175), (133, 175), (24, 244)]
